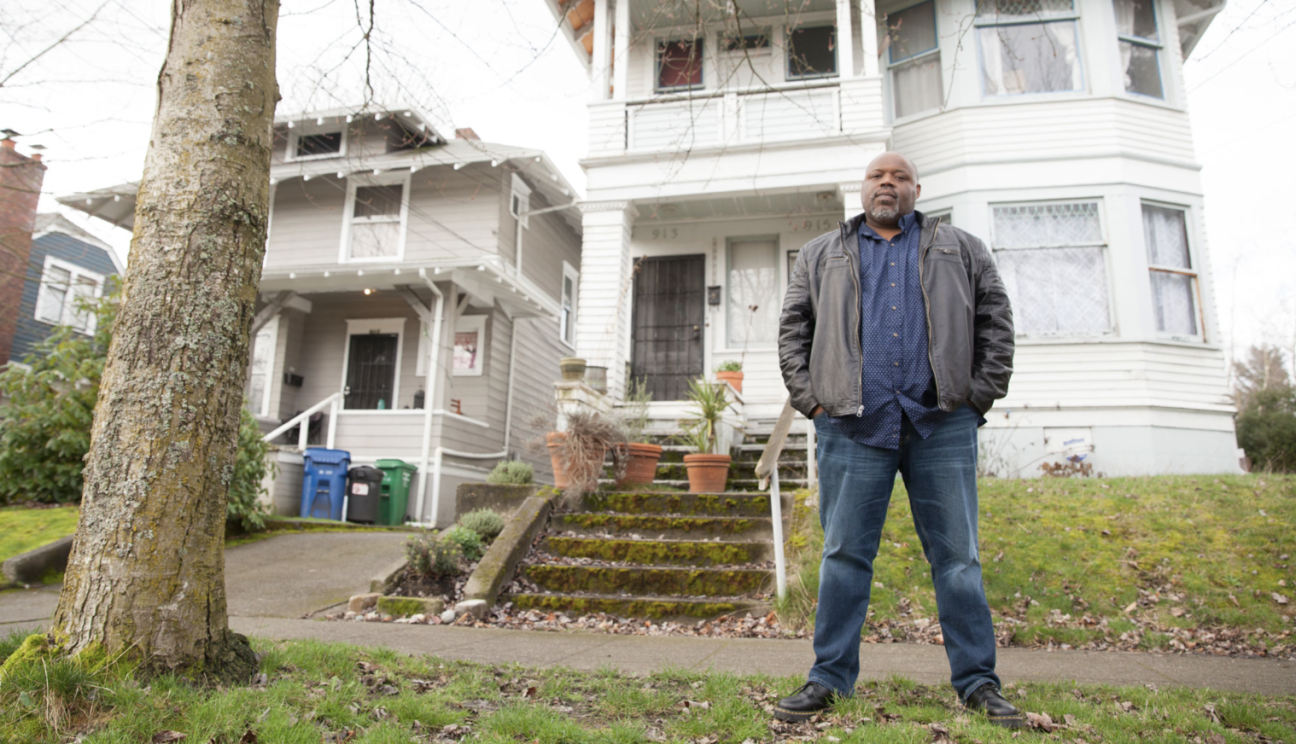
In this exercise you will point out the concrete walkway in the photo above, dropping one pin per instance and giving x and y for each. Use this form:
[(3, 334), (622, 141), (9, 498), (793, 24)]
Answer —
[(273, 583)]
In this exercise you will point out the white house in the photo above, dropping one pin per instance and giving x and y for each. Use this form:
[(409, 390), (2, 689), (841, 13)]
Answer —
[(723, 136), (417, 294)]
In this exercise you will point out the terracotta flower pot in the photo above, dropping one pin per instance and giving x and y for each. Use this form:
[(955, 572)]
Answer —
[(707, 473), (642, 467), (573, 368), (555, 440), (733, 378)]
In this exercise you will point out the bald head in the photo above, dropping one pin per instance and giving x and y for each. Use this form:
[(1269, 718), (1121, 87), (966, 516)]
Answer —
[(889, 191)]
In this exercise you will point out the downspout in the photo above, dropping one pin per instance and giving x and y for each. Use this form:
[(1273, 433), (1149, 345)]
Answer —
[(429, 402), (508, 401)]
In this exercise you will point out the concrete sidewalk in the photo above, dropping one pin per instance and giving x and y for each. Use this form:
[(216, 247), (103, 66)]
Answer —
[(273, 583)]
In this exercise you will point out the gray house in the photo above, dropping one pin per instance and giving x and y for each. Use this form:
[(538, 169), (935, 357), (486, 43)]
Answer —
[(66, 264), (417, 294)]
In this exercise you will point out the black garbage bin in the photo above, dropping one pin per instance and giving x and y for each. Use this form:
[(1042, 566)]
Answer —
[(363, 486)]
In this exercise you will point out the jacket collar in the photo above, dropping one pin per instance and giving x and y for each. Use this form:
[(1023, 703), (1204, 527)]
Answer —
[(925, 222)]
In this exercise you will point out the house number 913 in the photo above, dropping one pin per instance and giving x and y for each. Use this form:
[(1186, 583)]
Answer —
[(665, 233)]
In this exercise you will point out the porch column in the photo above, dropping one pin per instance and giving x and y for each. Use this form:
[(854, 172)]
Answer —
[(845, 40), (603, 308), (621, 51), (869, 38), (601, 61), (850, 194)]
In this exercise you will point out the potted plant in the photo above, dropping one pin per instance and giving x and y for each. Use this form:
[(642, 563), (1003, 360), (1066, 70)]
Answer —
[(641, 456), (707, 470), (581, 449), (730, 371), (572, 368)]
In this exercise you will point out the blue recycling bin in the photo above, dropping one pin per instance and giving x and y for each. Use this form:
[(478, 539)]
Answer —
[(324, 482)]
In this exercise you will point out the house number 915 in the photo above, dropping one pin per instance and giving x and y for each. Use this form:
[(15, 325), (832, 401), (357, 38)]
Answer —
[(820, 225)]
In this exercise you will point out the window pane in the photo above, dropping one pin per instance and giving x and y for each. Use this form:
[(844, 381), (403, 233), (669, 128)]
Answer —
[(56, 283), (1023, 7), (319, 144), (741, 43), (378, 201), (912, 31), (679, 64), (1136, 18), (1030, 58), (374, 239), (262, 356), (82, 291), (753, 282), (916, 85), (1172, 302), (812, 51), (567, 320), (1166, 235), (1040, 225), (1142, 72), (1056, 290)]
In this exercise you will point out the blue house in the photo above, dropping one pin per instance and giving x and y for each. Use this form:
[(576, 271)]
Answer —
[(66, 263)]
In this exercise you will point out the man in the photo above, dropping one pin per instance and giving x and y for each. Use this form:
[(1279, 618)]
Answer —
[(896, 337)]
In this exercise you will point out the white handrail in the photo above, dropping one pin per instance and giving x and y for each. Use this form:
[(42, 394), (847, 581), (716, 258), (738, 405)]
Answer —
[(301, 420), (767, 467)]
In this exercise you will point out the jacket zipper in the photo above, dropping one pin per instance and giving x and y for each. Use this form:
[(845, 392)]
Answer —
[(859, 350), (922, 255)]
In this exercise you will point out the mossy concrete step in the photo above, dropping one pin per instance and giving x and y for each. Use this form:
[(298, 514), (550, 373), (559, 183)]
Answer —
[(641, 580), (659, 526), (656, 608), (659, 552), (692, 504)]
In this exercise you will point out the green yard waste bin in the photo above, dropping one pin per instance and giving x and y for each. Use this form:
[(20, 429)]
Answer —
[(394, 493)]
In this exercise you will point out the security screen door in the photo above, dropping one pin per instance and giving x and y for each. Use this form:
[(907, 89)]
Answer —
[(371, 371), (669, 316)]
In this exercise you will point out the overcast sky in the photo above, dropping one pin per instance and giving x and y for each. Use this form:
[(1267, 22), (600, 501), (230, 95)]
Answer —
[(500, 67)]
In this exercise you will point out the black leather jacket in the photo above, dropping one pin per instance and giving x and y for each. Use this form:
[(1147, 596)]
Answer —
[(969, 321)]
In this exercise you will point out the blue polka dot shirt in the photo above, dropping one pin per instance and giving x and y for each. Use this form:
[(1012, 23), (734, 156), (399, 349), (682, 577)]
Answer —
[(897, 380)]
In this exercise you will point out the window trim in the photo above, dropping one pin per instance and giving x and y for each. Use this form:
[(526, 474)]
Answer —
[(1113, 329), (362, 327), (1195, 274), (74, 272), (761, 32), (470, 323), (569, 271), (295, 133), (660, 42), (1155, 44), (777, 253), (787, 56), (1072, 16), (520, 191), (402, 178)]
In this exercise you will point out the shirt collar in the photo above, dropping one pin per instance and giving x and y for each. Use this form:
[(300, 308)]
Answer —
[(907, 223)]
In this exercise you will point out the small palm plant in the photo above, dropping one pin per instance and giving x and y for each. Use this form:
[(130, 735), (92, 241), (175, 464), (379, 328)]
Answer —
[(707, 470)]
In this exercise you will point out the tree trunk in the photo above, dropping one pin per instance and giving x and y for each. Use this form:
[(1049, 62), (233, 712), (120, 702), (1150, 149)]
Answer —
[(147, 572)]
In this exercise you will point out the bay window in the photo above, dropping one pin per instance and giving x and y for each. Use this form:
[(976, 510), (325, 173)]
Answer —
[(1028, 46), (913, 57), (1140, 47), (1174, 282)]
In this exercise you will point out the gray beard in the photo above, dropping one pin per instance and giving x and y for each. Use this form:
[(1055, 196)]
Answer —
[(885, 215)]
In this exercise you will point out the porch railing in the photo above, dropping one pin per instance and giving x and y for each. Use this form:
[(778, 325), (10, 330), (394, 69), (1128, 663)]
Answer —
[(303, 420), (767, 472)]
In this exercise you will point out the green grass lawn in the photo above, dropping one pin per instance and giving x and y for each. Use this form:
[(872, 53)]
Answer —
[(23, 529), (1166, 560), (314, 692)]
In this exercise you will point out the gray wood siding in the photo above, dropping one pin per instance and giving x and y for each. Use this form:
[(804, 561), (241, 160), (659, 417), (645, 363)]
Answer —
[(547, 241), (306, 229), (538, 351), (453, 213)]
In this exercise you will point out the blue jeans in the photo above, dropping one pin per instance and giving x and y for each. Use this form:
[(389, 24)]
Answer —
[(855, 483)]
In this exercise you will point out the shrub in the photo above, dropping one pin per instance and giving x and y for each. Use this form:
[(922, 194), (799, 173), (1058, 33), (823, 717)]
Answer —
[(729, 365), (484, 522), (468, 541), (511, 472), (432, 557), (1266, 430), (45, 426)]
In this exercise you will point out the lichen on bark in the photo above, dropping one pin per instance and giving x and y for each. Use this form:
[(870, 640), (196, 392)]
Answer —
[(146, 574)]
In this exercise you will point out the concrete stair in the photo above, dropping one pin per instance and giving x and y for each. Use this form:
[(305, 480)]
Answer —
[(659, 555), (672, 472)]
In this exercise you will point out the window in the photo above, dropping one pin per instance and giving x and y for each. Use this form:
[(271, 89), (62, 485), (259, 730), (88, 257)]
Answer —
[(376, 220), (1028, 46), (470, 346), (679, 65), (914, 59), (567, 312), (1140, 47), (62, 286), (1051, 259), (811, 52), (1174, 283), (263, 355), (520, 199), (314, 145), (754, 299)]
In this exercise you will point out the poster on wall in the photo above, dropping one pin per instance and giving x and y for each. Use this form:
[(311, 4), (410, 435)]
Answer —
[(470, 346)]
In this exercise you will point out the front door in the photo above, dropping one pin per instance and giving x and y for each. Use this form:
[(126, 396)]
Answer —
[(371, 371), (669, 314)]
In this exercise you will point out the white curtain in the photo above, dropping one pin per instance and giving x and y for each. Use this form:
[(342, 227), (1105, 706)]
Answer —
[(1056, 290), (1030, 58), (753, 282), (1125, 27), (916, 85)]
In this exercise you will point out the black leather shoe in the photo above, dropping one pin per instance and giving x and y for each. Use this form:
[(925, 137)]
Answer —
[(986, 699), (804, 703)]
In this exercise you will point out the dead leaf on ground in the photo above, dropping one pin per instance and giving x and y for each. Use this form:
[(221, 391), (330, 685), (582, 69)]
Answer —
[(1041, 721), (1215, 737), (1280, 599), (163, 737)]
